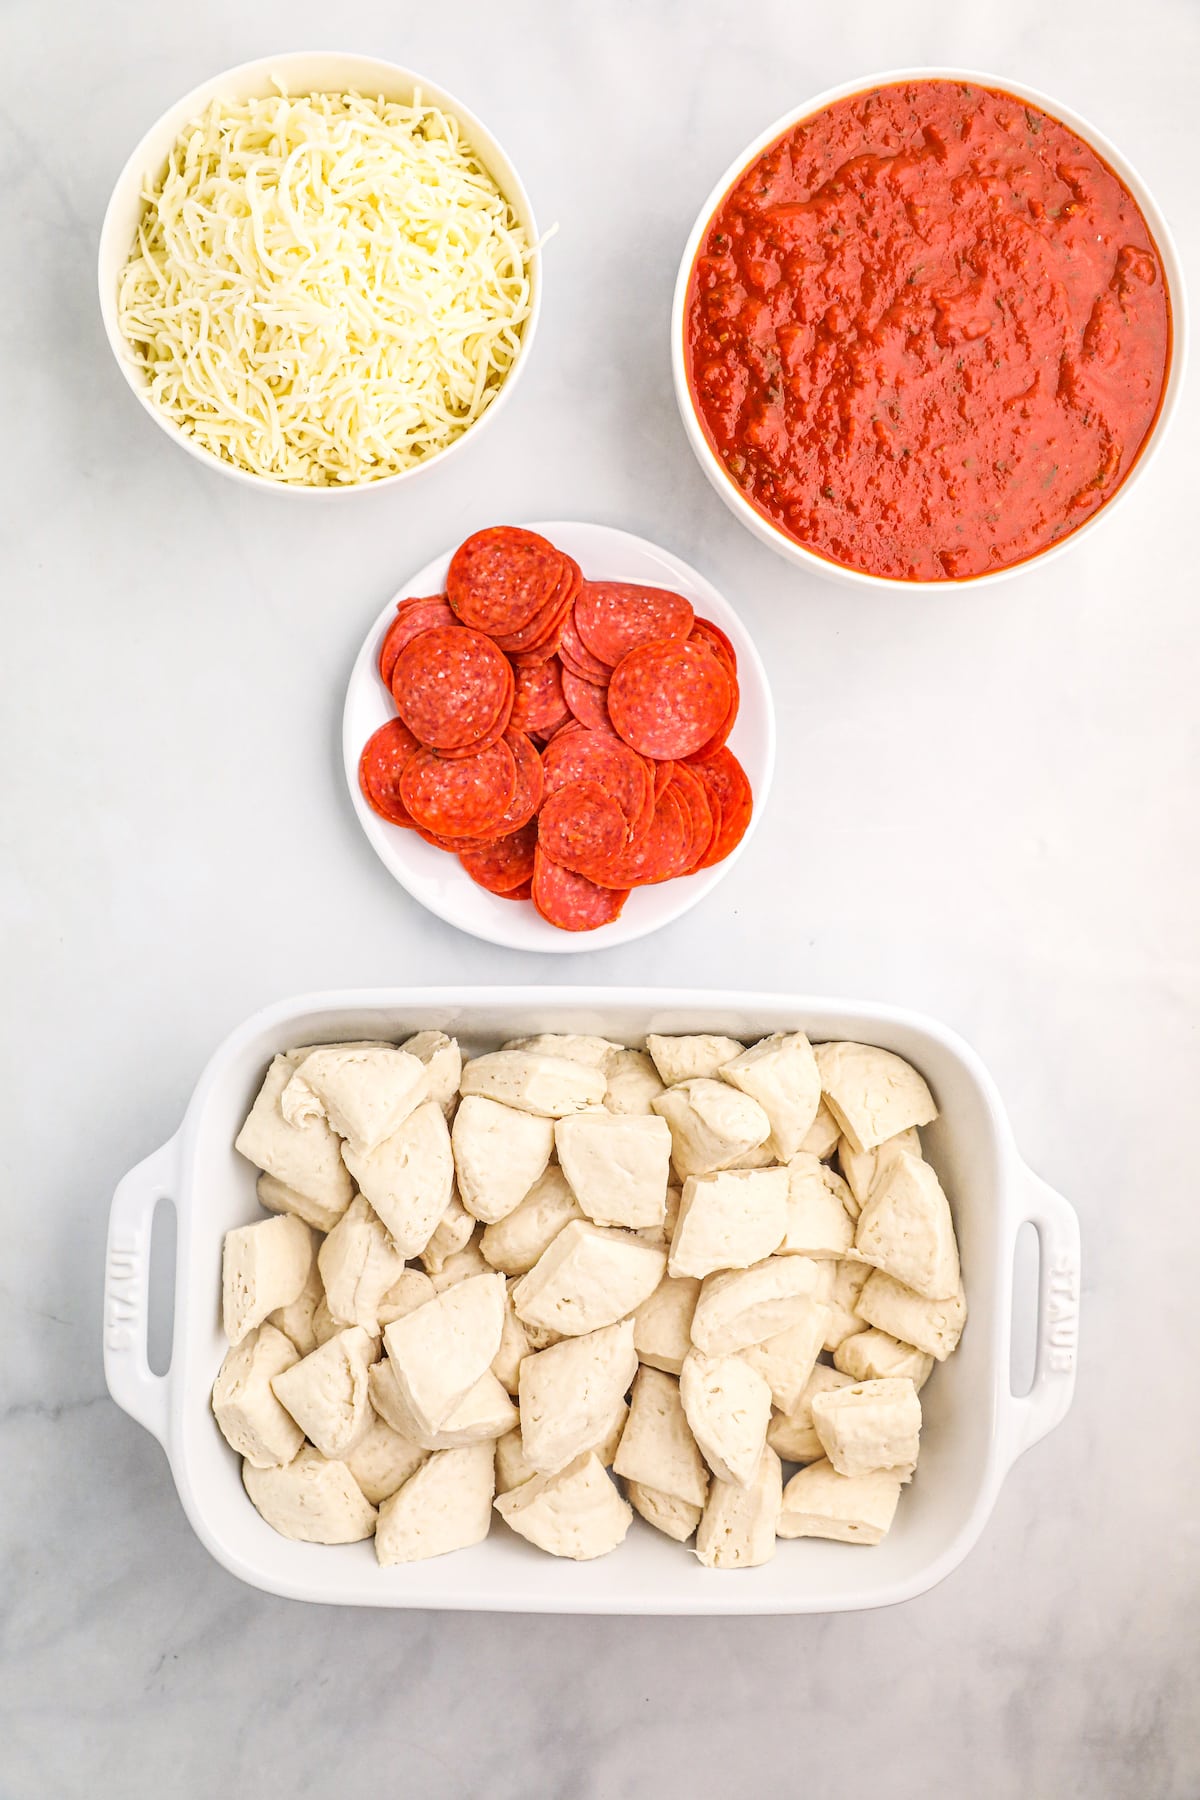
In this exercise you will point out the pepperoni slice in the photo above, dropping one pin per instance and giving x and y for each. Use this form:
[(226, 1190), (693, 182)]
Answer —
[(538, 702), (571, 901), (615, 617), (727, 783), (667, 699), (412, 617), (466, 796), (453, 688), (721, 734), (657, 855), (527, 795), (705, 632), (587, 700), (524, 892), (581, 826), (663, 771), (691, 791), (504, 864), (541, 637), (500, 579), (577, 657), (385, 756), (577, 754)]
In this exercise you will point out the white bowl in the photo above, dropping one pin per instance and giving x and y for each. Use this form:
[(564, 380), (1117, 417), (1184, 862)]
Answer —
[(707, 457), (975, 1427), (437, 879), (312, 72)]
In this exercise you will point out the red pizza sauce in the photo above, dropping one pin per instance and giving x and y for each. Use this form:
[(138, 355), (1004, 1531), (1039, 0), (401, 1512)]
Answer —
[(928, 331)]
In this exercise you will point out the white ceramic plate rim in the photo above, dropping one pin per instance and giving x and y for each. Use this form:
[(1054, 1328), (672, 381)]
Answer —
[(321, 71), (434, 878), (755, 521)]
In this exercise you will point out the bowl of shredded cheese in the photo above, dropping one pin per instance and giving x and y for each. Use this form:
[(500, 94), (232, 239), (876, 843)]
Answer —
[(320, 272)]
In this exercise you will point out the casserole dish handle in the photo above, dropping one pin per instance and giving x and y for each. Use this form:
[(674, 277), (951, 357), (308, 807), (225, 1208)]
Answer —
[(1045, 1405), (131, 1381)]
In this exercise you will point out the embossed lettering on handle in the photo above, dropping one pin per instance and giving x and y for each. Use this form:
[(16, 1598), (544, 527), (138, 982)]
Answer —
[(1060, 1324), (123, 1292)]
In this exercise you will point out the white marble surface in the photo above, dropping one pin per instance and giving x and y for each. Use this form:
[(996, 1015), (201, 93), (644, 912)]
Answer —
[(985, 808)]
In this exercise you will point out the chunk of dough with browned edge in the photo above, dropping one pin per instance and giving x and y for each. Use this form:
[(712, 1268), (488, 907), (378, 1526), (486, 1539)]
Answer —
[(499, 1153), (515, 1243), (934, 1326), (590, 1276), (569, 1394), (711, 1124), (278, 1197), (729, 1220), (727, 1405), (657, 1448), (446, 1505), (326, 1392), (443, 1066), (781, 1073), (576, 1046), (263, 1266), (549, 1085), (819, 1210), (617, 1167), (306, 1158), (383, 1460), (737, 1529), (870, 1425), (359, 1263), (409, 1177), (633, 1083), (793, 1435), (439, 1351), (665, 1512), (906, 1229), (787, 1360), (739, 1307), (872, 1093), (852, 1509), (251, 1419), (862, 1168), (873, 1355), (576, 1513), (311, 1499), (662, 1325), (295, 1319), (700, 1055), (844, 1316), (365, 1094)]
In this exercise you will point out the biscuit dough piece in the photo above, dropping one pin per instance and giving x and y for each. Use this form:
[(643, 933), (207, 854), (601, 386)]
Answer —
[(874, 1355), (823, 1134), (446, 1505), (551, 1086), (872, 1093), (870, 1425), (665, 1512), (852, 1509), (296, 1319), (409, 1177), (793, 1435), (737, 1529), (712, 1124), (662, 1325), (576, 1513), (484, 1413), (633, 1083), (862, 1168), (466, 1262), (617, 1167), (365, 1094), (727, 1405), (499, 1153), (443, 1066), (740, 1307), (278, 1197), (657, 1448), (411, 1288), (306, 1158), (569, 1394), (251, 1419), (933, 1326), (781, 1073), (514, 1347), (263, 1266), (729, 1220), (326, 1392), (512, 1466), (592, 1052), (686, 1058), (441, 1350), (590, 1276), (844, 1316), (359, 1264), (906, 1229), (454, 1232), (311, 1499), (515, 1243), (787, 1360), (383, 1460), (820, 1210)]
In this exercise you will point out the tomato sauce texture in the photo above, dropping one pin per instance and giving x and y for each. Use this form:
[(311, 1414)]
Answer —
[(928, 331)]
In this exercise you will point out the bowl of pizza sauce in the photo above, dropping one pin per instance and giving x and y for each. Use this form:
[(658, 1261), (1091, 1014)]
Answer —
[(926, 330)]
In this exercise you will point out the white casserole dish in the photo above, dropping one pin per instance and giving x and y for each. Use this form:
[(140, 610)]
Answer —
[(975, 1427)]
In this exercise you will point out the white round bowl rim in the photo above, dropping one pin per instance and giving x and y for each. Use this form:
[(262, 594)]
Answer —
[(112, 258), (757, 522), (513, 925)]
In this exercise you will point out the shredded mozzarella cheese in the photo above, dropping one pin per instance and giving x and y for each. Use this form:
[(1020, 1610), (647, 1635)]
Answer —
[(325, 289)]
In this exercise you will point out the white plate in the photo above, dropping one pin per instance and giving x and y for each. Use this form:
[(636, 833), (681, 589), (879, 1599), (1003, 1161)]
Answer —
[(436, 878)]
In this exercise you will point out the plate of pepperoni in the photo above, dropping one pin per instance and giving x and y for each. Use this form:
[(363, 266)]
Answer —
[(558, 736)]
